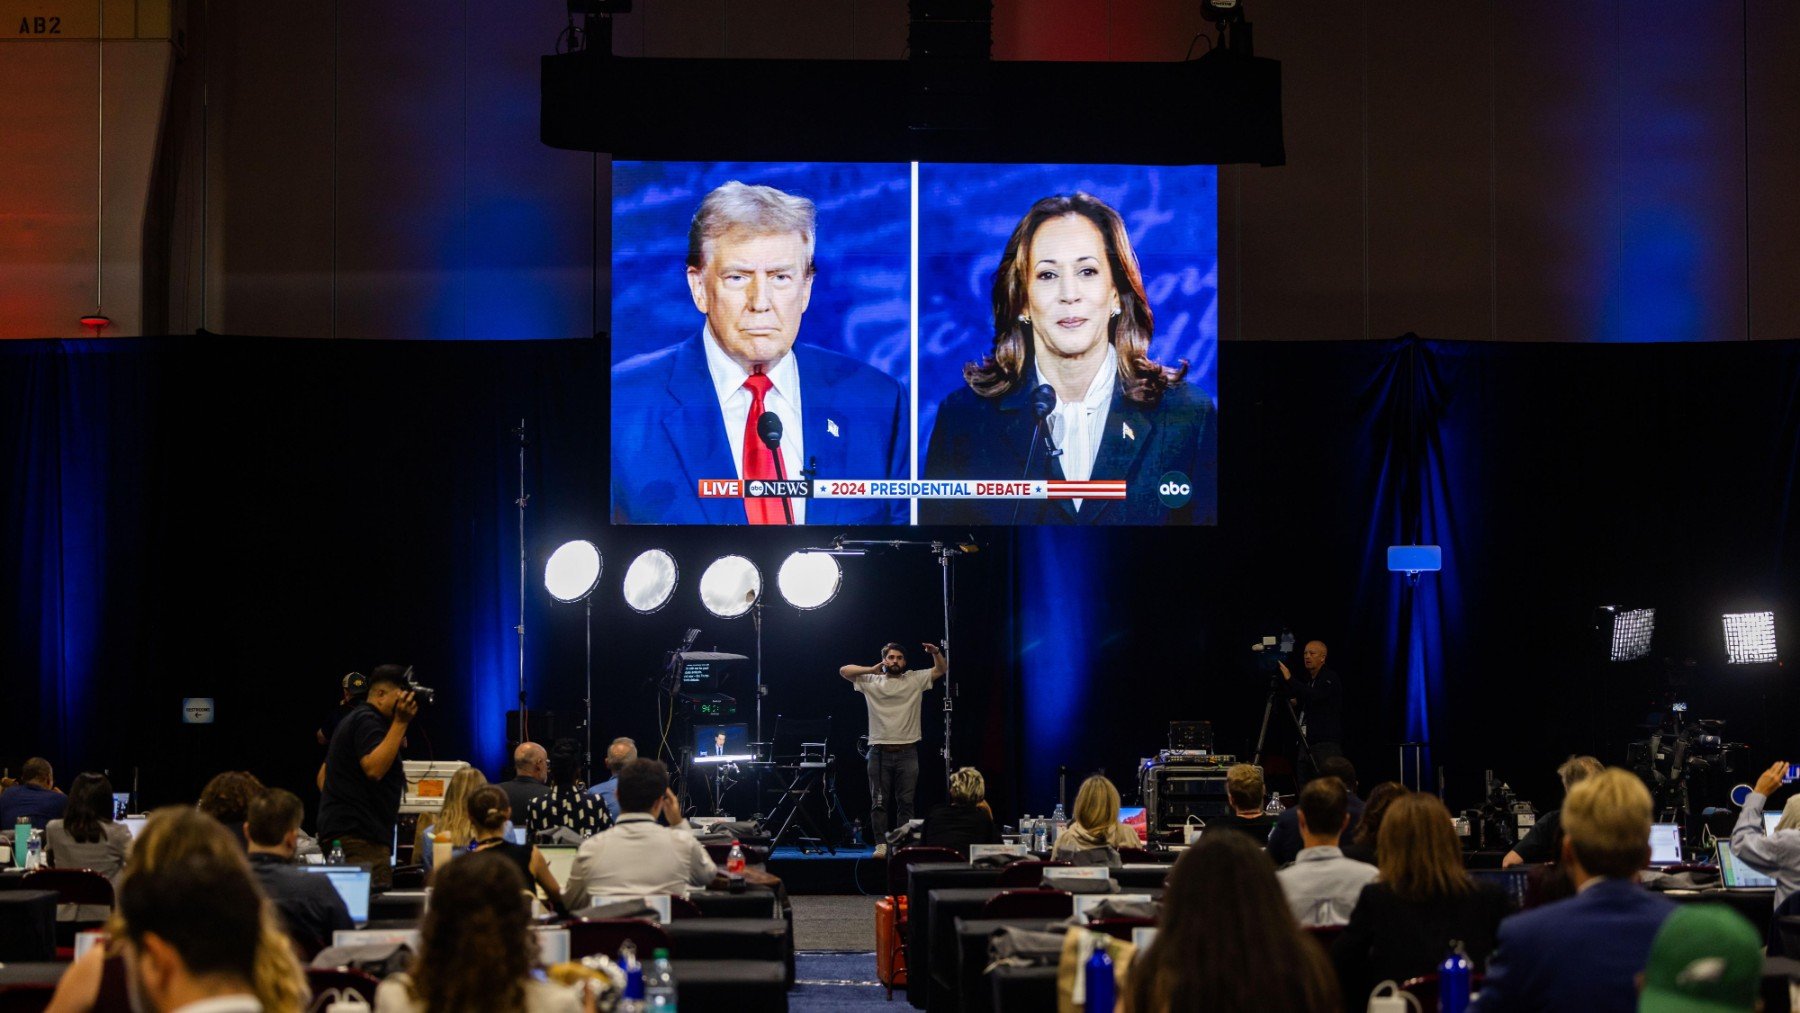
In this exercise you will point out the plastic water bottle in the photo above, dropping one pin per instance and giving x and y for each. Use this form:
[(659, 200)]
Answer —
[(633, 999), (21, 841), (1059, 821), (34, 853), (1453, 980), (336, 856), (659, 983), (1097, 989), (734, 862), (1041, 834), (1274, 808)]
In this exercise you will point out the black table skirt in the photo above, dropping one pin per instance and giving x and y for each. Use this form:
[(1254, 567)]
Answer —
[(921, 880), (753, 902), (27, 925), (734, 939), (972, 936), (1022, 989), (735, 986)]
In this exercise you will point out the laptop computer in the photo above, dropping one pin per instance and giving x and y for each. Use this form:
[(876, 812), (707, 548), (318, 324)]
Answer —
[(1665, 844), (1770, 819), (351, 883), (1734, 874)]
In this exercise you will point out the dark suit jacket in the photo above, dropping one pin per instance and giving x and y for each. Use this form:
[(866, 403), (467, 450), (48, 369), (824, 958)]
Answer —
[(1580, 955), (668, 434), (1391, 938), (979, 437)]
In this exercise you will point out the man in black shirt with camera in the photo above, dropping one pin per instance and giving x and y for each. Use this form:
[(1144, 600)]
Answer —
[(1319, 698), (364, 779)]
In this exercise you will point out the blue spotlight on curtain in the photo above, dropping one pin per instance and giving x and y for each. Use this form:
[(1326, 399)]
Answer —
[(1060, 619)]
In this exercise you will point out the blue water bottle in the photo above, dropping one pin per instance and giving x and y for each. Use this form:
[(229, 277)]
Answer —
[(1453, 980), (1097, 993)]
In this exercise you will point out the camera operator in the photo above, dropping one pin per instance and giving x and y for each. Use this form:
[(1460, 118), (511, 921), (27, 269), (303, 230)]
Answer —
[(363, 778), (1319, 697)]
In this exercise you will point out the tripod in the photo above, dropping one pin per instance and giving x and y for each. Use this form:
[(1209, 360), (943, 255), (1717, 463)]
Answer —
[(1277, 690)]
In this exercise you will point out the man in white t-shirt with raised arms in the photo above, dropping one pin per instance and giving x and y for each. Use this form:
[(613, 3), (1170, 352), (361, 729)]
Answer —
[(893, 696)]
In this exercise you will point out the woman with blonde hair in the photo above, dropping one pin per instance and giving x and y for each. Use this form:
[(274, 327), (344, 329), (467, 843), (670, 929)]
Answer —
[(171, 835), (966, 818), (1403, 922), (452, 819), (1096, 825)]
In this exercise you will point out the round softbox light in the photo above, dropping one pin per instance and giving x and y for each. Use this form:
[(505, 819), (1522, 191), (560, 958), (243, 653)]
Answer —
[(573, 570), (650, 581), (730, 586), (809, 580)]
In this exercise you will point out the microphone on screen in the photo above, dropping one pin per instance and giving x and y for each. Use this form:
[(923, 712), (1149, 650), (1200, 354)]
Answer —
[(769, 428)]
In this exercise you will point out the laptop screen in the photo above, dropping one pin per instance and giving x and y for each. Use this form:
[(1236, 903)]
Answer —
[(351, 883), (135, 824), (1665, 844), (561, 859), (1770, 819), (1734, 873)]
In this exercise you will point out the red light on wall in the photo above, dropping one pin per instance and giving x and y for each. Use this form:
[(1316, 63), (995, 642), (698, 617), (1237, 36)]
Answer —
[(96, 321)]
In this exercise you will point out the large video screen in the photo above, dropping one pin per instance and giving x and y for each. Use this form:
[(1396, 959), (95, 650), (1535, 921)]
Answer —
[(890, 343)]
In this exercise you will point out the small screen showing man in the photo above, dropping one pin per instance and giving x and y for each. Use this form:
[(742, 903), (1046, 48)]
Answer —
[(719, 743)]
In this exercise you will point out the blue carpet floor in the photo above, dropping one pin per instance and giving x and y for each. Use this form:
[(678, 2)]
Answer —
[(837, 981)]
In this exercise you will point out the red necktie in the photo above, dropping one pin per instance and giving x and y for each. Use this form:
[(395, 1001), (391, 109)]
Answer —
[(759, 460)]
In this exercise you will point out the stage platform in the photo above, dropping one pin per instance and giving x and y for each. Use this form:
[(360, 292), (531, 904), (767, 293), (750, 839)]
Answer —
[(851, 870)]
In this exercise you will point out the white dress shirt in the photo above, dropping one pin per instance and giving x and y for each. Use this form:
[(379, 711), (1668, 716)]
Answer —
[(783, 399), (1077, 427), (1322, 886), (1776, 855), (638, 857)]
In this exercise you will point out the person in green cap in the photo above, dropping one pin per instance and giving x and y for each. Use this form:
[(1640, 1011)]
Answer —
[(1706, 959)]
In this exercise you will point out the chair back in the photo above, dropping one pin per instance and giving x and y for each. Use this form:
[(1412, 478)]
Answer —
[(1140, 856), (72, 886), (588, 936), (1425, 988), (329, 984), (1120, 928), (1025, 874), (681, 907), (900, 860), (1324, 935), (1029, 904)]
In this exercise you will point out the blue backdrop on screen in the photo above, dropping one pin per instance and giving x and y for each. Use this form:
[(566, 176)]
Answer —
[(967, 212), (859, 299)]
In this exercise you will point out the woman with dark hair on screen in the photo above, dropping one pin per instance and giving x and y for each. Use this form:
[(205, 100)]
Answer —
[(1227, 942), (1072, 331)]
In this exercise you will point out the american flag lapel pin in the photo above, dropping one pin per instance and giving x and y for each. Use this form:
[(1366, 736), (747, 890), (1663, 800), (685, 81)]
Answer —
[(831, 427), (1126, 427)]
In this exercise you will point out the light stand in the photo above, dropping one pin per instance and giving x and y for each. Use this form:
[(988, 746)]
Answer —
[(521, 502)]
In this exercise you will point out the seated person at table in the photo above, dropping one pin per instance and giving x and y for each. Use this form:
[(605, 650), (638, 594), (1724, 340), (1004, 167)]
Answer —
[(1775, 854), (966, 818), (565, 805), (1364, 840), (639, 856), (1096, 835), (226, 798), (86, 837), (1284, 840), (489, 812), (1707, 958), (1226, 941), (1403, 923), (452, 819), (191, 931), (1322, 885), (35, 797), (1544, 842), (1583, 954), (310, 906), (622, 751), (476, 950), (1245, 791), (174, 836)]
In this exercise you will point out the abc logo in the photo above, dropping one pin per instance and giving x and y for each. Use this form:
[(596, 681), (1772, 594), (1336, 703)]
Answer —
[(756, 487), (1174, 490)]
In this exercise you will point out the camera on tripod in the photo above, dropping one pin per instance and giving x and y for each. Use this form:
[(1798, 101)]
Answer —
[(1268, 654)]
